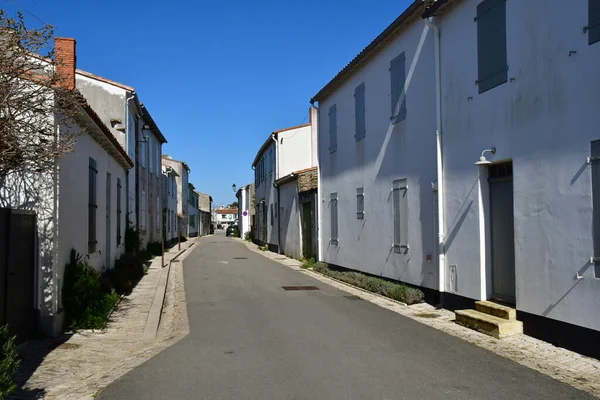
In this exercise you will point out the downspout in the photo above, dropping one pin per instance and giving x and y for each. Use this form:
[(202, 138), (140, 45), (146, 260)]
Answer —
[(440, 169), (274, 137)]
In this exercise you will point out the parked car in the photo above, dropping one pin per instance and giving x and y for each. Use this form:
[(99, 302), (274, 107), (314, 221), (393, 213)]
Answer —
[(232, 230)]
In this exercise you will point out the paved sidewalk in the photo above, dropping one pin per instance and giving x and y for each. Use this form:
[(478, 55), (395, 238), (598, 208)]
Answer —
[(566, 366), (78, 366)]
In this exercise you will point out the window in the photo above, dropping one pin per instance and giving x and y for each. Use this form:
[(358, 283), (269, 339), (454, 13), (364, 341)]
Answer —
[(332, 129), (272, 214), (276, 210), (118, 211), (333, 204), (593, 28), (157, 213), (360, 203), (143, 219), (150, 156), (359, 112), (491, 44), (157, 160), (397, 83), (143, 153), (400, 206), (92, 206), (595, 161)]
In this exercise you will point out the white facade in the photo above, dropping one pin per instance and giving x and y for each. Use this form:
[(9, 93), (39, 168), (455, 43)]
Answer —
[(169, 203), (265, 197), (294, 151), (543, 119), (226, 217), (245, 207), (401, 153), (183, 171)]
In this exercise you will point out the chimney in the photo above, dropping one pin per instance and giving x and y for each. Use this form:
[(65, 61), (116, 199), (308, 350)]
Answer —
[(66, 62)]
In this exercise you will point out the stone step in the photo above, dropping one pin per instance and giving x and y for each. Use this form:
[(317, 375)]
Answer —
[(496, 310), (488, 324)]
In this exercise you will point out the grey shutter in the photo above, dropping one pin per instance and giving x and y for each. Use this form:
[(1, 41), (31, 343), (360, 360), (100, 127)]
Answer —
[(400, 210), (272, 215), (491, 44), (359, 112), (334, 218), (593, 27), (397, 81), (332, 129), (360, 203), (595, 153), (92, 205), (118, 211)]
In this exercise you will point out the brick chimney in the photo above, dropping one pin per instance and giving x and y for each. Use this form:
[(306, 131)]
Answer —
[(66, 61)]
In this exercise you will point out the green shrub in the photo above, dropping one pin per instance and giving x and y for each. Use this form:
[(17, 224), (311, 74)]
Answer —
[(9, 362), (248, 236), (183, 239), (154, 248), (127, 272), (394, 290), (310, 263), (87, 302), (133, 242)]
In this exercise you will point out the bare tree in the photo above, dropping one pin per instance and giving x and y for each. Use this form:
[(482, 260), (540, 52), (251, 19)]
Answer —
[(34, 101)]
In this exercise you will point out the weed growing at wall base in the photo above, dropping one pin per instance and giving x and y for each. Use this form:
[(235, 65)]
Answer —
[(9, 362), (393, 290)]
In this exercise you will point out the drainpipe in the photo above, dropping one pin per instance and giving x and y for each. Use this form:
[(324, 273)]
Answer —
[(440, 169), (274, 138)]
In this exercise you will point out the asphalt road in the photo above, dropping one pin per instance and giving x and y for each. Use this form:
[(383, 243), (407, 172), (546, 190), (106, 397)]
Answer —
[(250, 339)]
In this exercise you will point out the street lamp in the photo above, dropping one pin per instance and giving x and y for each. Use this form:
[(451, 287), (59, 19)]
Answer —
[(234, 188)]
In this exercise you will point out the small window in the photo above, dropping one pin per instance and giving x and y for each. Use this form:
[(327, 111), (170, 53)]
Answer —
[(491, 44), (400, 210), (332, 129), (593, 28), (92, 205), (398, 93), (360, 203), (359, 112), (333, 204), (118, 211)]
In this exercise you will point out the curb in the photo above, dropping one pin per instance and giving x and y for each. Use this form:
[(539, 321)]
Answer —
[(153, 321)]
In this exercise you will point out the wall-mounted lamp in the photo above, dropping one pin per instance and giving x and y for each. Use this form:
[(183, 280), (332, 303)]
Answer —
[(234, 188), (482, 159)]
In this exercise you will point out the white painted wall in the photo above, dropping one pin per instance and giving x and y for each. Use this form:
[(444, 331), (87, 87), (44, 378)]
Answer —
[(295, 150), (543, 119), (264, 191), (389, 152), (73, 205), (289, 212), (244, 206)]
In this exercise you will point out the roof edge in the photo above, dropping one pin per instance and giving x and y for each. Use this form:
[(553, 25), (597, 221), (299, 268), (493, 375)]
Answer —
[(105, 80)]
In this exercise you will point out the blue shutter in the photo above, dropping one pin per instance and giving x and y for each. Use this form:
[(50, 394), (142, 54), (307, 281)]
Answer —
[(397, 82), (359, 112), (593, 27), (334, 218), (400, 210), (332, 129), (491, 44)]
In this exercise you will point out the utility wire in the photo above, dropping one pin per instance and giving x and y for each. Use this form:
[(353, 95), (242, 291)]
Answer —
[(28, 12)]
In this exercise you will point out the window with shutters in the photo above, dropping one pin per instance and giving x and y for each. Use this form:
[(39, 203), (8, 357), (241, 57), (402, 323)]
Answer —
[(491, 44), (150, 155), (400, 211), (332, 129), (595, 161), (397, 91), (118, 211), (92, 205), (157, 160), (360, 203), (272, 214), (333, 206), (143, 218), (359, 112), (593, 27), (157, 213), (143, 153)]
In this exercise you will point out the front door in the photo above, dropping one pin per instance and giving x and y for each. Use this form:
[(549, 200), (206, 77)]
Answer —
[(107, 250), (502, 232), (307, 231)]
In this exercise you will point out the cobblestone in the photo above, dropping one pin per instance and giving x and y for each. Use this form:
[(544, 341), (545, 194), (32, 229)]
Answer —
[(566, 366), (78, 366)]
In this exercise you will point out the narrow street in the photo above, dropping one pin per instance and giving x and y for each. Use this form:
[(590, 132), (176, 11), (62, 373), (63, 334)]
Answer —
[(251, 339)]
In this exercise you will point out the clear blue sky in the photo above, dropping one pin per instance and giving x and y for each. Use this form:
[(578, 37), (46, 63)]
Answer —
[(217, 76)]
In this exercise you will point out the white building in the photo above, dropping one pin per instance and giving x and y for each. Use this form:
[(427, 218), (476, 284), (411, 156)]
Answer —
[(193, 212), (377, 158), (526, 228), (79, 202), (285, 152), (245, 198), (183, 170), (169, 202), (226, 217), (205, 207)]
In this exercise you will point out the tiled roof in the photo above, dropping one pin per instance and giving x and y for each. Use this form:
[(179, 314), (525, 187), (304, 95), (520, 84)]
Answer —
[(227, 211), (390, 32)]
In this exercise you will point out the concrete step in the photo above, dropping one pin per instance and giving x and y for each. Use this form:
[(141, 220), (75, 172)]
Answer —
[(497, 310), (488, 324)]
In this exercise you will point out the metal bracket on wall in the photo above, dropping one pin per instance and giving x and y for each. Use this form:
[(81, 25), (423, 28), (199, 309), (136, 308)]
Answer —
[(590, 159)]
